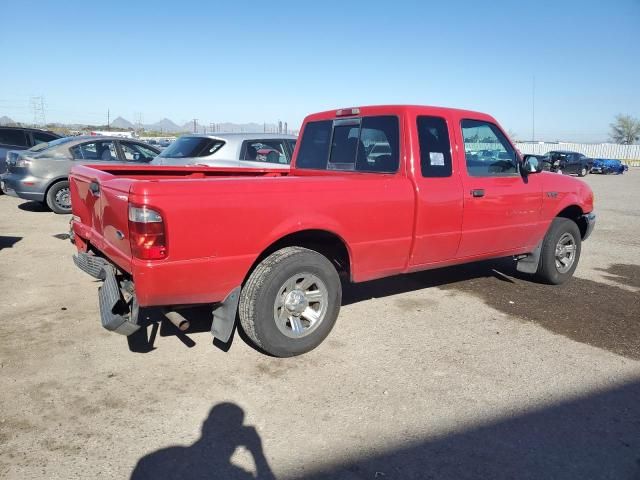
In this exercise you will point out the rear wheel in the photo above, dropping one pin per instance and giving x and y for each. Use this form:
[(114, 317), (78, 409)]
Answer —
[(59, 197), (560, 252), (290, 302)]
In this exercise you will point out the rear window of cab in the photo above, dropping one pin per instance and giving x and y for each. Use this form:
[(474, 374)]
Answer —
[(364, 144)]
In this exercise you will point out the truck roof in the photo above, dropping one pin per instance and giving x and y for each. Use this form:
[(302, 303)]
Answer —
[(397, 109)]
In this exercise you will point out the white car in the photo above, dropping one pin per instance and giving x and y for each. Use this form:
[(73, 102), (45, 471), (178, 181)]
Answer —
[(258, 150)]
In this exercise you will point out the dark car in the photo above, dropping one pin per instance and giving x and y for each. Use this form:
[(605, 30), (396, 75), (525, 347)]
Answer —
[(19, 138), (569, 163), (40, 174)]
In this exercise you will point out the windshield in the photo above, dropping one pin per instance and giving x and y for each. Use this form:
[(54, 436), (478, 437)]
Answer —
[(45, 145), (185, 147)]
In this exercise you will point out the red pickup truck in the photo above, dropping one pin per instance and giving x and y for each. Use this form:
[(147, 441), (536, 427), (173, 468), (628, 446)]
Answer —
[(372, 192)]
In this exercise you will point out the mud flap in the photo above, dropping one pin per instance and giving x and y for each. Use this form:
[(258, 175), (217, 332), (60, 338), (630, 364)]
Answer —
[(529, 264), (224, 316), (115, 314)]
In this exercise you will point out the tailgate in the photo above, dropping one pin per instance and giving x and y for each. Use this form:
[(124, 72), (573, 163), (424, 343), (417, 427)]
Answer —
[(100, 205)]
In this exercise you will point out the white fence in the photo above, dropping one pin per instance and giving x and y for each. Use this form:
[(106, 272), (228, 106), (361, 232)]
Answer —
[(630, 154)]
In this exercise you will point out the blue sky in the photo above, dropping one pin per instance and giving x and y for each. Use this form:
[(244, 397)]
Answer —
[(264, 61)]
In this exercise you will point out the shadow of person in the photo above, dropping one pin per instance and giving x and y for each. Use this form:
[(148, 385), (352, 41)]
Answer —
[(210, 456)]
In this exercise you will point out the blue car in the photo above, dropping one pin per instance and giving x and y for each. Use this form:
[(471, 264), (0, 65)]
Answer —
[(606, 165)]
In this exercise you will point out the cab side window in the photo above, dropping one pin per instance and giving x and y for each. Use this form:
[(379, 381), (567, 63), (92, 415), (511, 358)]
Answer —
[(435, 148), (488, 153)]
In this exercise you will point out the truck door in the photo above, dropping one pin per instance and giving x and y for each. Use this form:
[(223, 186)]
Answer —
[(439, 193), (501, 207)]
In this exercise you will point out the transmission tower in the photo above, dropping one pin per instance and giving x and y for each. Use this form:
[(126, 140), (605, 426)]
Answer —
[(139, 120), (37, 104)]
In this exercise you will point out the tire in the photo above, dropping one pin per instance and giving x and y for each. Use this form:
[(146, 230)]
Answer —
[(551, 268), (282, 297), (59, 197), (583, 172)]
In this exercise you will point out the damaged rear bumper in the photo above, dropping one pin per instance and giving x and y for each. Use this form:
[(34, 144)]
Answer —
[(118, 307)]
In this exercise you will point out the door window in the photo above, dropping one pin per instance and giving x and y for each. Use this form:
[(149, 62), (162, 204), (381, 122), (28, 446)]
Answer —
[(99, 151), (14, 137), (134, 152), (42, 137), (269, 151), (488, 153), (435, 148)]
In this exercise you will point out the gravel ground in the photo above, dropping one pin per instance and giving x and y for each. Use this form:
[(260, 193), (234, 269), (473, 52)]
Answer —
[(466, 372)]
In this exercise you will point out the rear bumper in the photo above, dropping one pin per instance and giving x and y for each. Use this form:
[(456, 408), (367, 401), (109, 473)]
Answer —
[(27, 187), (590, 221)]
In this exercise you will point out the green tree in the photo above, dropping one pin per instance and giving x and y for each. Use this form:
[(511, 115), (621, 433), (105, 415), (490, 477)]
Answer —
[(625, 130)]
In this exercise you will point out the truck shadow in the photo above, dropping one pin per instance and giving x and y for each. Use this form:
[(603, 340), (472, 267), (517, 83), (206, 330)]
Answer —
[(153, 323), (598, 314)]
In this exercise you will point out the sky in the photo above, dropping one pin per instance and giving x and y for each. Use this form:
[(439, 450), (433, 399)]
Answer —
[(260, 62)]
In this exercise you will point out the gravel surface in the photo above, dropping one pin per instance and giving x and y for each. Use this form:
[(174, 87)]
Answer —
[(465, 372)]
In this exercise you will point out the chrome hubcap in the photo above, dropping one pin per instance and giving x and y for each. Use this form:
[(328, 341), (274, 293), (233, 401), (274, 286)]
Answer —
[(301, 305), (63, 198), (565, 252)]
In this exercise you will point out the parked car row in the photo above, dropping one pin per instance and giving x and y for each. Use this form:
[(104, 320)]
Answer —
[(38, 163), (565, 162)]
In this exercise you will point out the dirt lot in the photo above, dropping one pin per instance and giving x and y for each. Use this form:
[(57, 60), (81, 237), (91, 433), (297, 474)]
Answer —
[(469, 372)]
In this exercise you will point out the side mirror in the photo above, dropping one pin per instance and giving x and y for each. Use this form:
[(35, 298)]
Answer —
[(531, 164)]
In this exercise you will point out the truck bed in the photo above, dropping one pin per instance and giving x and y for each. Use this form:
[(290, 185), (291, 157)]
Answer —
[(218, 221)]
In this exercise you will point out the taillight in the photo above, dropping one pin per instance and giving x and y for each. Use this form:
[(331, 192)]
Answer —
[(146, 233), (22, 162)]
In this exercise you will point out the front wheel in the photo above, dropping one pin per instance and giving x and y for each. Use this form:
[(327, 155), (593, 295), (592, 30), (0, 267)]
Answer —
[(583, 172), (560, 252), (59, 197), (290, 302)]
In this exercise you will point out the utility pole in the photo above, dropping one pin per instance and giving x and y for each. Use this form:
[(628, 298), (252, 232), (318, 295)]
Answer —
[(108, 120), (195, 125)]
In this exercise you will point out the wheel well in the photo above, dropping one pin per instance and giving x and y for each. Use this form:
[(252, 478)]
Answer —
[(575, 213), (326, 243), (57, 180)]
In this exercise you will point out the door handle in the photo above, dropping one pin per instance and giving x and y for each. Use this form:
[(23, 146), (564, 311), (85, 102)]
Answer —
[(94, 188), (478, 192)]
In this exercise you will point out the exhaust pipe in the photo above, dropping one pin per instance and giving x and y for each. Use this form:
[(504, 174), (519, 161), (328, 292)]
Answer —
[(178, 320)]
